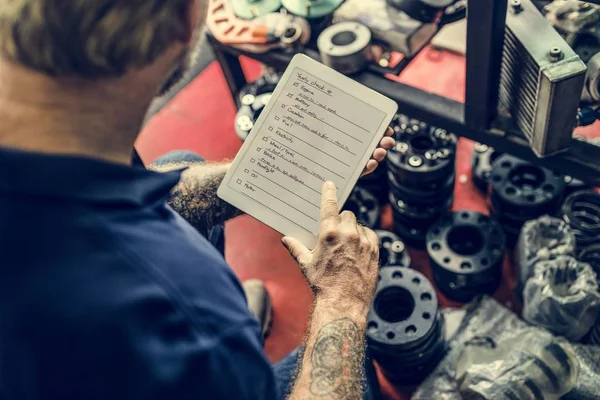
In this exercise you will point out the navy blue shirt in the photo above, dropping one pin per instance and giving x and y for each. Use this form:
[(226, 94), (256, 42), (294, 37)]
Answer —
[(106, 293)]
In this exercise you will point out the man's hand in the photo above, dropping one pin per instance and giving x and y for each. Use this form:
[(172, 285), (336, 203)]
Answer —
[(380, 152), (344, 264)]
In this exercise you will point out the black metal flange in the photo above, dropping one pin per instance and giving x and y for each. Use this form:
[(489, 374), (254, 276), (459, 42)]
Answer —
[(466, 250), (581, 210), (481, 165), (365, 206), (392, 251), (376, 183), (521, 191), (405, 329), (436, 193), (249, 112)]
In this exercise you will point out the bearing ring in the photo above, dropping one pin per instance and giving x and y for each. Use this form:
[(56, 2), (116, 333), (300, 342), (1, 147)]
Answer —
[(405, 329), (521, 191), (345, 47), (481, 163), (365, 206), (466, 250), (392, 251)]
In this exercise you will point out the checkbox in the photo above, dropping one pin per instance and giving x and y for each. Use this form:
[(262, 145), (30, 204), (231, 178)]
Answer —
[(246, 170), (239, 181), (271, 128), (277, 118), (290, 95), (265, 139), (296, 84), (258, 148), (283, 106), (252, 160)]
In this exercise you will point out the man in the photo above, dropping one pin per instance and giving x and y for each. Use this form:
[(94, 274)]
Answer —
[(105, 292)]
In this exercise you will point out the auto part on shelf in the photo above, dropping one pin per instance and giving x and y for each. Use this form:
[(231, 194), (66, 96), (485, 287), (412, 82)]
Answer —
[(562, 296), (405, 329), (364, 205), (420, 177), (392, 251), (422, 10), (259, 35), (389, 25), (581, 210), (481, 166), (466, 251), (531, 366), (521, 191), (376, 183), (312, 8), (345, 47), (250, 109), (544, 238), (541, 80), (249, 9)]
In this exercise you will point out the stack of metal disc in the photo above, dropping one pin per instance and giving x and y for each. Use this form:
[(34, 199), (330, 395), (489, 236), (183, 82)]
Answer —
[(420, 177), (365, 206), (253, 98)]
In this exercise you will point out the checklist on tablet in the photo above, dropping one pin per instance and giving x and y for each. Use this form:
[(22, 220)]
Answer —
[(318, 126)]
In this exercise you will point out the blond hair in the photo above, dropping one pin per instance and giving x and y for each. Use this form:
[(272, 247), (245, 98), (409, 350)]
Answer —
[(89, 38)]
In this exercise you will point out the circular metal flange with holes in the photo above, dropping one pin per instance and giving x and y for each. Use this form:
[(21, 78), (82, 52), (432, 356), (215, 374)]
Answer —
[(466, 250), (249, 112), (581, 210), (265, 84), (405, 329), (365, 206), (482, 162), (392, 251), (433, 193)]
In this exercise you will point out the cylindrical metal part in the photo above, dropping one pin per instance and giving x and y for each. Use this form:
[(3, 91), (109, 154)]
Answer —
[(405, 329), (392, 250), (482, 161), (466, 250), (345, 47), (581, 210)]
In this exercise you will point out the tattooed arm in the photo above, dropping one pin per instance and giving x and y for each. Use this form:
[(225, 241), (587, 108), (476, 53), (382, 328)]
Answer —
[(195, 196), (342, 270)]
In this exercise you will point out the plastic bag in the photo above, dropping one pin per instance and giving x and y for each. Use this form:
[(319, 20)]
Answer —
[(486, 318), (562, 296)]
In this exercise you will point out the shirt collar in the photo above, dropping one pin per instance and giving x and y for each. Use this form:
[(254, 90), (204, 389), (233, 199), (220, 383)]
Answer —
[(80, 178)]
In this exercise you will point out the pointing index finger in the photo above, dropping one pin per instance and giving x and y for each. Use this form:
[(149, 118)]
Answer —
[(329, 204)]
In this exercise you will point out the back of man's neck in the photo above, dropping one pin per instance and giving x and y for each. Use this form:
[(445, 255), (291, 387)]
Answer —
[(96, 119)]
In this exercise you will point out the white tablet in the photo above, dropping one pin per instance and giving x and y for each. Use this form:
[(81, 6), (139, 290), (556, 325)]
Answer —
[(318, 126)]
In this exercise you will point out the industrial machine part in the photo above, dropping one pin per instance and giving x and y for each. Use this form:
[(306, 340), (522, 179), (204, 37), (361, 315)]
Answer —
[(312, 8), (392, 251), (481, 166), (581, 210), (250, 109), (541, 80), (577, 22), (389, 25), (265, 84), (345, 47), (259, 35), (405, 329), (530, 366), (541, 239), (420, 176), (422, 10), (364, 205), (521, 191), (575, 185), (249, 9), (562, 297), (466, 250)]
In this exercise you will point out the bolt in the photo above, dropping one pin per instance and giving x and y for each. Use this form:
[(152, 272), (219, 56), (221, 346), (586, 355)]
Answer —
[(415, 161), (245, 123), (402, 147), (555, 53), (568, 179), (444, 153), (481, 148), (248, 99), (398, 247), (431, 155), (516, 6), (440, 133)]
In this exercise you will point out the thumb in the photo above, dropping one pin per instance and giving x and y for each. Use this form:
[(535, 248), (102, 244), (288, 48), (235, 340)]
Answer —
[(296, 249)]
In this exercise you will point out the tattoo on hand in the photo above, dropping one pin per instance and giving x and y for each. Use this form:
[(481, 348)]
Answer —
[(337, 361)]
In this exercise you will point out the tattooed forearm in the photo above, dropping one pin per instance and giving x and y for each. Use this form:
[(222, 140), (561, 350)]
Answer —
[(332, 366), (195, 196)]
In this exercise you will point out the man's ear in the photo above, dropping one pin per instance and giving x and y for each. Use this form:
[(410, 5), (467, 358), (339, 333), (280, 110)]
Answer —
[(190, 19)]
